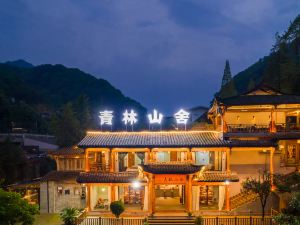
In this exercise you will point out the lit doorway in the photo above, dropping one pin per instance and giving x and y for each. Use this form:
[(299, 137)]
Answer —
[(169, 197)]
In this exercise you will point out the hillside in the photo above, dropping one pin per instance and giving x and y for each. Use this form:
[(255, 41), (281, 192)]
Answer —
[(280, 69), (30, 96)]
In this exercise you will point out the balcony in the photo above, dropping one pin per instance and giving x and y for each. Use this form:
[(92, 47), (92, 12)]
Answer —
[(248, 128), (287, 127), (99, 167)]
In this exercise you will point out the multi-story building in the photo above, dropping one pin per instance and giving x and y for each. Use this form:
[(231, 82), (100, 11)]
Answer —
[(148, 171), (262, 114), (190, 171)]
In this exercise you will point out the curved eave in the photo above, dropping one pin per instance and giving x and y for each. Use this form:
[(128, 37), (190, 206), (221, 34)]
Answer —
[(154, 146), (171, 169), (97, 177)]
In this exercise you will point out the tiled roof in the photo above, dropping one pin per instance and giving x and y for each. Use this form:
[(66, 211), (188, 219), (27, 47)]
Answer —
[(171, 168), (218, 176), (260, 100), (265, 135), (164, 139), (60, 176), (152, 139), (73, 150), (252, 143), (98, 177)]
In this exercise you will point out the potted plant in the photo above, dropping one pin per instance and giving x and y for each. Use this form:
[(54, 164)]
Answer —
[(146, 222), (199, 220), (190, 214), (69, 215), (117, 208)]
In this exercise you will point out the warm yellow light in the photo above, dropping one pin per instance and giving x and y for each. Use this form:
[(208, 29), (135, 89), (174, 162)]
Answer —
[(151, 132), (136, 184)]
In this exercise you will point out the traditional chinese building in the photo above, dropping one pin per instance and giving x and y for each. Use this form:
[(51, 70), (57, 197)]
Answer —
[(149, 171), (262, 114), (191, 171)]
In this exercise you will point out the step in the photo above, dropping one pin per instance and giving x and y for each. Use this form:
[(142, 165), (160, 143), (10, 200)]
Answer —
[(168, 220)]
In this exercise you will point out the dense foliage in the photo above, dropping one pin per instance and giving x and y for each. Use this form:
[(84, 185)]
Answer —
[(69, 215), (280, 70), (15, 167), (261, 186), (12, 162), (15, 210), (288, 183), (291, 215), (31, 96), (117, 208), (66, 127)]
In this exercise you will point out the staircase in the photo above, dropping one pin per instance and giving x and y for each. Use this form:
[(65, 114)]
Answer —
[(241, 199), (168, 220)]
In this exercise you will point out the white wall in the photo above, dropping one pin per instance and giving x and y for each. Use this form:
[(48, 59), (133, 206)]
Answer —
[(247, 118), (249, 164)]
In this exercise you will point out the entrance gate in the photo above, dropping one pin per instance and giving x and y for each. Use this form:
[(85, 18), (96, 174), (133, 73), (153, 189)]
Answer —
[(170, 194)]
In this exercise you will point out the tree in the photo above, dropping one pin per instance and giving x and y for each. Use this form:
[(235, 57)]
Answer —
[(287, 183), (69, 215), (226, 75), (66, 127), (291, 215), (117, 208), (229, 90), (292, 33), (15, 210), (261, 186), (12, 159), (251, 84), (82, 112)]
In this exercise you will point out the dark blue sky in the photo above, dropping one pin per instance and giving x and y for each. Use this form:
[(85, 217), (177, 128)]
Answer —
[(166, 54)]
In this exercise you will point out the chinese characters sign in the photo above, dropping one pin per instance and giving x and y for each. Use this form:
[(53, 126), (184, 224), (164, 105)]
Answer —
[(130, 117), (170, 179)]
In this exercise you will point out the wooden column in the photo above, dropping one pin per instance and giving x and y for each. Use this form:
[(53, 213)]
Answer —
[(57, 163), (228, 159), (224, 124), (113, 193), (189, 155), (227, 206), (88, 197), (273, 127), (189, 193), (271, 165), (150, 156), (87, 166), (111, 161), (153, 195), (150, 193)]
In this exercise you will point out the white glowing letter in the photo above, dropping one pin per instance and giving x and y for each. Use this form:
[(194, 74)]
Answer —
[(181, 116), (106, 117), (129, 117), (155, 118)]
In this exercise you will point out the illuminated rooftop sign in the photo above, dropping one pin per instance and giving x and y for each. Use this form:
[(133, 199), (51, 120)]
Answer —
[(130, 117), (155, 117)]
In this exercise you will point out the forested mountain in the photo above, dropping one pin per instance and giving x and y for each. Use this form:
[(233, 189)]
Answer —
[(30, 97), (280, 70)]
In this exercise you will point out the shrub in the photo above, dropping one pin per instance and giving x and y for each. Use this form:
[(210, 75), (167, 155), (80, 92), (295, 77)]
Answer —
[(117, 208), (199, 220), (69, 215), (15, 210), (146, 222)]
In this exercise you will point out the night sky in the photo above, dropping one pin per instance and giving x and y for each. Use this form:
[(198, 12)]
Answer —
[(166, 54)]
